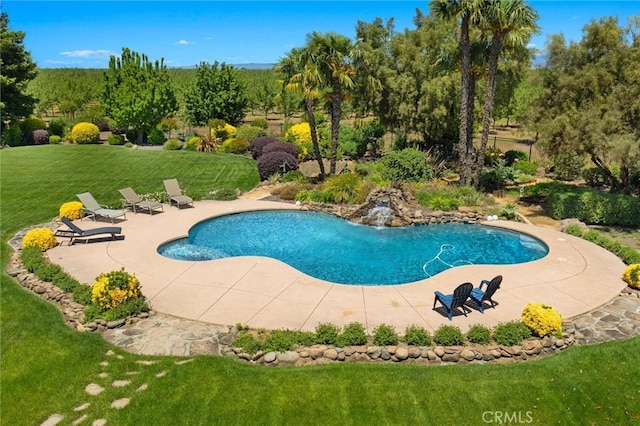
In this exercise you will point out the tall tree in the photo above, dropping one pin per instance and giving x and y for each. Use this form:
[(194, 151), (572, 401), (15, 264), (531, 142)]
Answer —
[(17, 70), (218, 91), (302, 76), (590, 101), (468, 12), (332, 54), (370, 92), (265, 91), (421, 94), (70, 89), (511, 23), (137, 93)]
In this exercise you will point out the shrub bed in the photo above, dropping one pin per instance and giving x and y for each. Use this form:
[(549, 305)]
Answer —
[(276, 162), (628, 254), (328, 343), (281, 146), (114, 296), (595, 208), (407, 165), (235, 146), (258, 144)]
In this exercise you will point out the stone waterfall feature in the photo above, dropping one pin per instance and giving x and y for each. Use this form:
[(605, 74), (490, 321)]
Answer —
[(385, 207), (395, 207)]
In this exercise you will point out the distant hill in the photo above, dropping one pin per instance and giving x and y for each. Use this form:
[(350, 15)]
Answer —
[(254, 66), (249, 66)]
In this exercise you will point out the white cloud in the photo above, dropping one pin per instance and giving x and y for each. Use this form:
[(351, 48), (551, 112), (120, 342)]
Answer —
[(208, 38), (183, 42), (86, 53), (531, 46), (57, 62)]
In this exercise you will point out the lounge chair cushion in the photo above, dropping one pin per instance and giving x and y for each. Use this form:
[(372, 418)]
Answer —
[(175, 193), (133, 200), (93, 209)]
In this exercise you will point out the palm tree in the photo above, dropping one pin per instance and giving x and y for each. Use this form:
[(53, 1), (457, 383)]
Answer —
[(301, 75), (479, 57), (332, 54), (468, 12), (511, 23)]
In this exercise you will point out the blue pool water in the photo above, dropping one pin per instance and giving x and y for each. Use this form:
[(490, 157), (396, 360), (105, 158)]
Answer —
[(334, 249)]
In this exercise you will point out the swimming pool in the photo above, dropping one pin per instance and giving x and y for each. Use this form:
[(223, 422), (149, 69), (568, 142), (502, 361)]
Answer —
[(336, 250)]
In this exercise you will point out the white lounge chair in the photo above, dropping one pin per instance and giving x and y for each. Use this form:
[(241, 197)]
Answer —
[(175, 193), (132, 200), (93, 209)]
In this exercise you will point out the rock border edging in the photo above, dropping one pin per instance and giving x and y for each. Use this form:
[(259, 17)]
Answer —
[(73, 314)]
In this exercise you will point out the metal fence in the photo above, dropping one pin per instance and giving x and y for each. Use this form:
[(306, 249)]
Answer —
[(507, 144)]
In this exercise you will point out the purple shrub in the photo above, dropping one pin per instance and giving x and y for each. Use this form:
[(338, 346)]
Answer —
[(281, 146), (40, 137), (102, 124), (258, 144), (274, 162)]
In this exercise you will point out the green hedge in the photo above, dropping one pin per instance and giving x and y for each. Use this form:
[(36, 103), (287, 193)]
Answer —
[(595, 208), (34, 261), (629, 255)]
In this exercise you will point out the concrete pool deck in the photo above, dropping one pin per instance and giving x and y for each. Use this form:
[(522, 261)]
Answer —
[(575, 277)]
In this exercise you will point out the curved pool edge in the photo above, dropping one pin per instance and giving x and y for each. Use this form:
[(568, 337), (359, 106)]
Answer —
[(575, 277), (397, 259)]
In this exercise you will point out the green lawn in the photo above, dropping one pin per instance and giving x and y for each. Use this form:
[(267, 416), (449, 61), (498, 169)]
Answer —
[(45, 366), (37, 180)]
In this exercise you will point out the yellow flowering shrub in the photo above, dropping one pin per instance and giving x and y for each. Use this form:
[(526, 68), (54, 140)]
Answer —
[(227, 131), (631, 275), (300, 134), (543, 320), (71, 210), (112, 288), (83, 133), (43, 238)]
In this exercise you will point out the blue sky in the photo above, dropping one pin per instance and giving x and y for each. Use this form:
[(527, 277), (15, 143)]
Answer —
[(85, 33)]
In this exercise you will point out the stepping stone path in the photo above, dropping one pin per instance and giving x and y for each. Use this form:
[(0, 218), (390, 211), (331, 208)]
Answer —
[(120, 403), (94, 389)]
